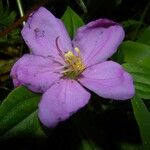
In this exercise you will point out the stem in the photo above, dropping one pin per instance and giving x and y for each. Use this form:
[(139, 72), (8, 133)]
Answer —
[(8, 3), (20, 9), (82, 5)]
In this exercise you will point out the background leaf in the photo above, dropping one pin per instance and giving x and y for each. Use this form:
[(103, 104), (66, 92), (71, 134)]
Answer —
[(7, 17), (130, 23), (72, 21), (136, 55), (141, 76), (142, 116), (129, 146), (145, 36), (134, 51), (145, 62), (18, 114)]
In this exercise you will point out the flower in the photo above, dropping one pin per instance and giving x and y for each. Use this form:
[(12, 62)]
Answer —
[(61, 69)]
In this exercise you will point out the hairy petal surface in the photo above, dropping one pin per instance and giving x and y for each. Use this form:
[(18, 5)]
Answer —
[(41, 32), (35, 72), (108, 80), (98, 40), (61, 101)]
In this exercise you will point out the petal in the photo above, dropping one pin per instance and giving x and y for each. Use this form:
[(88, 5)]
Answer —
[(98, 40), (16, 82), (41, 31), (61, 101), (35, 72), (109, 80)]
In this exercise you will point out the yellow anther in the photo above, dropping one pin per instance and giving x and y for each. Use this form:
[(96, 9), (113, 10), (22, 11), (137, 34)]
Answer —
[(77, 50), (69, 54), (74, 64)]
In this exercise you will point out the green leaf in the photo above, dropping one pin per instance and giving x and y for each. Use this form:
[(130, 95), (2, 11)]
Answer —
[(145, 36), (72, 21), (142, 116), (18, 114), (141, 76), (134, 52), (145, 62), (24, 127)]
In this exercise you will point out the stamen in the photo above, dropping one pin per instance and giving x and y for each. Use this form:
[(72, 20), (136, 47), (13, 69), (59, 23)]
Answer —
[(69, 54), (74, 65), (77, 50)]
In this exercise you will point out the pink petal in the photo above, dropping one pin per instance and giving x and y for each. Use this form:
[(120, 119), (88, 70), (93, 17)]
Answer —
[(35, 72), (98, 40), (41, 32), (109, 80), (61, 101)]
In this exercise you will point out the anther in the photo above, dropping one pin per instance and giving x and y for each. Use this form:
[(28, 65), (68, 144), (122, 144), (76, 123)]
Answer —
[(77, 50)]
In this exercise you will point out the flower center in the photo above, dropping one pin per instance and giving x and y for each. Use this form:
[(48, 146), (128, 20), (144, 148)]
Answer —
[(74, 65)]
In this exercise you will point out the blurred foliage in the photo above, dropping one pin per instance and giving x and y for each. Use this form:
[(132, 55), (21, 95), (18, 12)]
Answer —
[(10, 45), (103, 124), (6, 19)]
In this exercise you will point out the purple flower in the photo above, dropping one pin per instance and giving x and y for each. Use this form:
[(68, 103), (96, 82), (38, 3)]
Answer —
[(60, 68)]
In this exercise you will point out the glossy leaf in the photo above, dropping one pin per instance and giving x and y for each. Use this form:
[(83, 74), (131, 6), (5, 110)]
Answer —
[(134, 51), (18, 114), (142, 116), (138, 64), (72, 21), (141, 76), (145, 62)]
